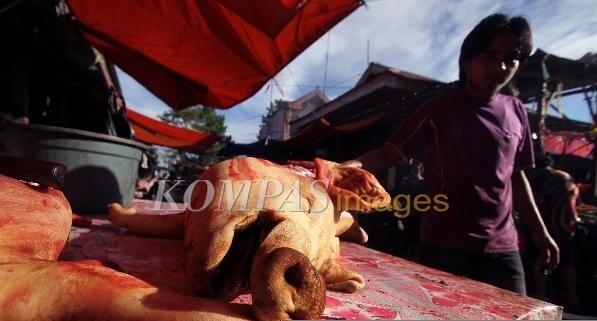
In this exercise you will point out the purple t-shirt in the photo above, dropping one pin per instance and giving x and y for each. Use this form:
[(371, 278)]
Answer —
[(472, 146)]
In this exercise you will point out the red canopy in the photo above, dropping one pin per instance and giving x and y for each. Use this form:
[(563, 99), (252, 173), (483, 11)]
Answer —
[(152, 131), (212, 52), (571, 143)]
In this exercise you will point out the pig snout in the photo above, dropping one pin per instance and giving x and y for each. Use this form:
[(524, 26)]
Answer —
[(285, 286)]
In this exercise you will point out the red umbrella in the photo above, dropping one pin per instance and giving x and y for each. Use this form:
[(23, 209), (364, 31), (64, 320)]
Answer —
[(212, 52)]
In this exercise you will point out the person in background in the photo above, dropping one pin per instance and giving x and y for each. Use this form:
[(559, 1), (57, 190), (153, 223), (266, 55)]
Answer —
[(477, 145), (556, 195), (412, 185), (146, 177)]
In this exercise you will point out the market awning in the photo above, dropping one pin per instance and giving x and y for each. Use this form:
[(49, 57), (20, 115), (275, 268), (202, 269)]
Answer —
[(152, 131), (544, 66), (211, 52), (568, 143), (320, 130), (309, 137)]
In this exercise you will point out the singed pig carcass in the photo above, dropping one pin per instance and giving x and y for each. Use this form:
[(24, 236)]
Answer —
[(34, 227), (254, 224)]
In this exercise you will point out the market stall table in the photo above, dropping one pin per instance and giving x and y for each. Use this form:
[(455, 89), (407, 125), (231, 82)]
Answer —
[(395, 288)]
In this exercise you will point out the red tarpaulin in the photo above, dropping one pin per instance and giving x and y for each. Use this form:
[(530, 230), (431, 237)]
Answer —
[(212, 52), (151, 131), (570, 143)]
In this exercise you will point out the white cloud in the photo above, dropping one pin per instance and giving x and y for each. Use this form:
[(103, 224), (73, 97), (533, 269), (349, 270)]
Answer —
[(415, 35)]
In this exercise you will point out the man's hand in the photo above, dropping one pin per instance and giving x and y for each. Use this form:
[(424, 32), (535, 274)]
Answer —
[(549, 253), (378, 160), (524, 203)]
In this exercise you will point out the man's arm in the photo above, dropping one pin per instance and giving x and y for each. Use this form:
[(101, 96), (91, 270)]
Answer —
[(524, 203), (378, 160), (408, 139)]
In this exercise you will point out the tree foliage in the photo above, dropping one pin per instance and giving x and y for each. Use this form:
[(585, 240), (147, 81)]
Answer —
[(272, 109), (204, 119)]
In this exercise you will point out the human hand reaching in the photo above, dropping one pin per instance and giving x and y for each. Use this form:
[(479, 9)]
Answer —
[(549, 253)]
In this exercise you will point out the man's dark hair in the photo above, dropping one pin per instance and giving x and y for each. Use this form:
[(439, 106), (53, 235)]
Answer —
[(479, 38)]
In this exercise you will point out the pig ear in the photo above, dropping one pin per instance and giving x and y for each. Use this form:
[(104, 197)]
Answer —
[(355, 187), (340, 279)]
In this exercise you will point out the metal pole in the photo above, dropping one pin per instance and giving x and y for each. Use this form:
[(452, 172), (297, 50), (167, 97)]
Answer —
[(542, 105), (594, 115)]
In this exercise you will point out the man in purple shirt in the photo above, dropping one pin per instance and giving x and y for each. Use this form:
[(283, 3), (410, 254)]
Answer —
[(476, 143)]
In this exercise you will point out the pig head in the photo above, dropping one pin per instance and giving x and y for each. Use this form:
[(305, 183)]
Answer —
[(256, 225)]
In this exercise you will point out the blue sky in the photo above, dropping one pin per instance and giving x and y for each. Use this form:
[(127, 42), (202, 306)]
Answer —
[(421, 36)]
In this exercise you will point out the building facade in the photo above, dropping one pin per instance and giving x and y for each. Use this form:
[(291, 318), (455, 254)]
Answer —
[(277, 126)]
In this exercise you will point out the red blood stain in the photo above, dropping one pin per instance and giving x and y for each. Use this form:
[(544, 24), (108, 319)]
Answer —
[(477, 295), (382, 313), (81, 221), (371, 265), (4, 221), (239, 168), (26, 250), (350, 314), (461, 298), (444, 302), (497, 310), (50, 202), (332, 303), (119, 280), (19, 296), (233, 169), (431, 287)]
